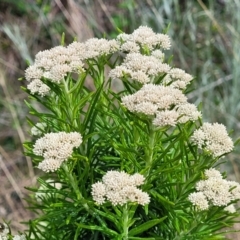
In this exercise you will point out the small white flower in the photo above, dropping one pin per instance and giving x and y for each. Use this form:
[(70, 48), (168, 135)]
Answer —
[(166, 118), (212, 173), (130, 47), (158, 54), (56, 148), (151, 99), (145, 37), (199, 200), (37, 86), (213, 138), (99, 192), (33, 72), (187, 112), (216, 190), (136, 179), (120, 188), (177, 78)]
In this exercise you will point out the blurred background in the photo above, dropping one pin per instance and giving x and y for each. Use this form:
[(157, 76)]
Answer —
[(206, 44)]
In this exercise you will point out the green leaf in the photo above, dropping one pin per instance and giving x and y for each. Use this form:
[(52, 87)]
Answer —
[(97, 228), (161, 198), (237, 142), (145, 226), (139, 238), (132, 221), (81, 103), (108, 215)]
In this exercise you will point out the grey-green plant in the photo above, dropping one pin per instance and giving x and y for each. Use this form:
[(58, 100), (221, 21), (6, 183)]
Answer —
[(123, 154)]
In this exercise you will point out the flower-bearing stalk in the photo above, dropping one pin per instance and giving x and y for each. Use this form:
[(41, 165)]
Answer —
[(70, 98), (150, 148), (72, 181), (125, 220)]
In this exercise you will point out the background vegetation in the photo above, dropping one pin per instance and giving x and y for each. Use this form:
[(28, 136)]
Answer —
[(206, 43)]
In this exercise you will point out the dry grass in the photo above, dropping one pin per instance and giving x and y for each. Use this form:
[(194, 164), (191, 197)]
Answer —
[(16, 171)]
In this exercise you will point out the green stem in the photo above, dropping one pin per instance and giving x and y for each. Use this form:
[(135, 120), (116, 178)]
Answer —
[(69, 103), (125, 222), (78, 193), (101, 75), (150, 147), (72, 181)]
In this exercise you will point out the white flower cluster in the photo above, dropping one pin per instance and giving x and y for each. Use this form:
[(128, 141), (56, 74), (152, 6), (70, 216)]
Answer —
[(55, 149), (168, 105), (213, 138), (120, 188), (143, 68), (95, 47), (56, 63), (177, 78), (215, 191), (156, 98), (140, 68), (165, 102), (4, 233), (143, 37), (37, 86)]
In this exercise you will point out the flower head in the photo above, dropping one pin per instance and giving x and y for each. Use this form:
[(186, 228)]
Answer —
[(216, 190), (158, 54), (53, 64), (177, 78), (56, 148), (212, 173), (99, 192), (56, 63), (130, 47), (187, 112), (166, 118), (140, 68), (120, 188), (145, 37), (213, 138), (199, 200), (33, 72), (95, 47), (152, 98), (37, 86)]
